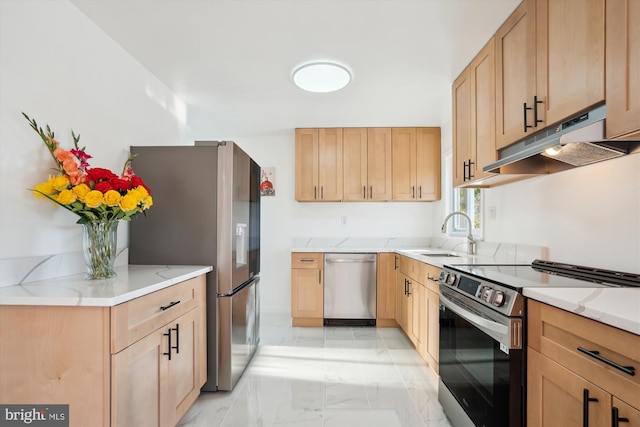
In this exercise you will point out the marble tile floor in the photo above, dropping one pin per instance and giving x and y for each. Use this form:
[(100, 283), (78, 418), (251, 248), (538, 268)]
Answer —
[(326, 377)]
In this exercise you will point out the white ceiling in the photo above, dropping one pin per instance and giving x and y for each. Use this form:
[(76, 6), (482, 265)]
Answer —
[(231, 60)]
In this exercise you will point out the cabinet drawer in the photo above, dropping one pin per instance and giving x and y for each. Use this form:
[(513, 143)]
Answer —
[(307, 260), (558, 334), (139, 317), (432, 273)]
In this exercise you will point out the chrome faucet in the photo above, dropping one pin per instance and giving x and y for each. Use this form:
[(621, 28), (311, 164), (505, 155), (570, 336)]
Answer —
[(471, 243)]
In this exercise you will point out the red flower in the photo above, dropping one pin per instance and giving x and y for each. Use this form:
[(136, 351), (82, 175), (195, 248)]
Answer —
[(136, 181), (103, 186), (120, 184), (98, 174)]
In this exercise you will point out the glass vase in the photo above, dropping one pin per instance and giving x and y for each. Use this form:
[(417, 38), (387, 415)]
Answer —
[(99, 243)]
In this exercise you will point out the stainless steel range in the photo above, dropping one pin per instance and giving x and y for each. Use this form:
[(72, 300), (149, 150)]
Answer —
[(483, 335)]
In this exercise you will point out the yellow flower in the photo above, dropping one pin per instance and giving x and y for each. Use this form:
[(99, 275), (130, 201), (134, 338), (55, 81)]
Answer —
[(59, 182), (93, 199), (141, 191), (66, 197), (129, 202), (112, 198), (147, 202), (81, 191), (44, 188)]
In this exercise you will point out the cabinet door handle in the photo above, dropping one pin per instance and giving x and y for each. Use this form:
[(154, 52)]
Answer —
[(629, 370), (319, 277), (420, 192), (171, 304), (464, 171), (413, 191), (169, 347), (371, 192), (177, 346), (315, 192), (535, 111), (585, 406), (322, 192), (395, 262), (524, 110), (616, 418), (364, 191), (471, 176)]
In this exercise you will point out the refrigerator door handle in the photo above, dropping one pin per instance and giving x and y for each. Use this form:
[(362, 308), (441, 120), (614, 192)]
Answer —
[(240, 288)]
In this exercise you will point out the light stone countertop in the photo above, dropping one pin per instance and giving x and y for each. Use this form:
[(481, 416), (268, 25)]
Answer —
[(617, 307), (132, 281)]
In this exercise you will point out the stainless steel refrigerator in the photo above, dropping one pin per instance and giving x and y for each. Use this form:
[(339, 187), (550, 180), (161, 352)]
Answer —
[(206, 211)]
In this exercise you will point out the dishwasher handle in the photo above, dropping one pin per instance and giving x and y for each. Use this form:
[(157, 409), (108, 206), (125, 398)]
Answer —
[(348, 260)]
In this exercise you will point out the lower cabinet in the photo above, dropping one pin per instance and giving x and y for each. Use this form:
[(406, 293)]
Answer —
[(386, 290), (307, 288), (417, 307), (139, 363), (155, 380), (570, 380)]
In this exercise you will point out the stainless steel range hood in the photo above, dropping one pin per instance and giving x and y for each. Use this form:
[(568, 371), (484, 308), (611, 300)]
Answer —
[(576, 142)]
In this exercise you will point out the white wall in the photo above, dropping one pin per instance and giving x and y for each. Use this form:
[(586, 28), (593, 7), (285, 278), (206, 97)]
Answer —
[(61, 69)]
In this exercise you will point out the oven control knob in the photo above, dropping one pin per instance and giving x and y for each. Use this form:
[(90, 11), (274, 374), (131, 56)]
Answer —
[(442, 277), (498, 299)]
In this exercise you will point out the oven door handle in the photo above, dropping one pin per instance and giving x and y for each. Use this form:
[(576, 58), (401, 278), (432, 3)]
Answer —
[(479, 321)]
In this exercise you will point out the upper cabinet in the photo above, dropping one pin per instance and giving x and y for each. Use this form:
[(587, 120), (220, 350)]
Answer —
[(319, 165), (367, 164), (623, 68), (474, 118), (416, 164), (549, 65)]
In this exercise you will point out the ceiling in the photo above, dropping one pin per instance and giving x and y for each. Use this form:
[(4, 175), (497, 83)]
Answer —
[(231, 60)]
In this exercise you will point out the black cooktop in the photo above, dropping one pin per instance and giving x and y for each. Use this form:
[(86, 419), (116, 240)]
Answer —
[(548, 274)]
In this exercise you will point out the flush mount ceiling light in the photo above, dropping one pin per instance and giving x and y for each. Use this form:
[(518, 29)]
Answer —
[(321, 77)]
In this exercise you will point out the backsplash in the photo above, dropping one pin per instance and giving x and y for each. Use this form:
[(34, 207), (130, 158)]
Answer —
[(14, 271)]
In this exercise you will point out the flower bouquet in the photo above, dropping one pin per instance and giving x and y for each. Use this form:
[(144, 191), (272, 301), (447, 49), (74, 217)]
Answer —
[(98, 196)]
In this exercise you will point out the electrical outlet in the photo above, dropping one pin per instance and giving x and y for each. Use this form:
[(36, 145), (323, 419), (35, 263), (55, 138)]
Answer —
[(492, 213)]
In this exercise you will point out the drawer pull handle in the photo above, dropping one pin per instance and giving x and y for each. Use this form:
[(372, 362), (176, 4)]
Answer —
[(629, 370), (166, 307), (306, 260), (433, 279)]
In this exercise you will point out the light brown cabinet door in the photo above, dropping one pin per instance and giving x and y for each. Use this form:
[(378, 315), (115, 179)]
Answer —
[(330, 164), (417, 313), (379, 164), (355, 161), (428, 164), (306, 165), (402, 302), (515, 74), (461, 92), (307, 293), (386, 295), (403, 151), (432, 342), (621, 410), (555, 396), (140, 383), (569, 57), (185, 364), (483, 111), (623, 68)]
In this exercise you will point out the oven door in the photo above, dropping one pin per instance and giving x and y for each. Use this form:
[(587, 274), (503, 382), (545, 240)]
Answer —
[(480, 366)]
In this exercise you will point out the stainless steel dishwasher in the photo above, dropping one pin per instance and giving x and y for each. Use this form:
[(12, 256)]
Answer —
[(350, 289)]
